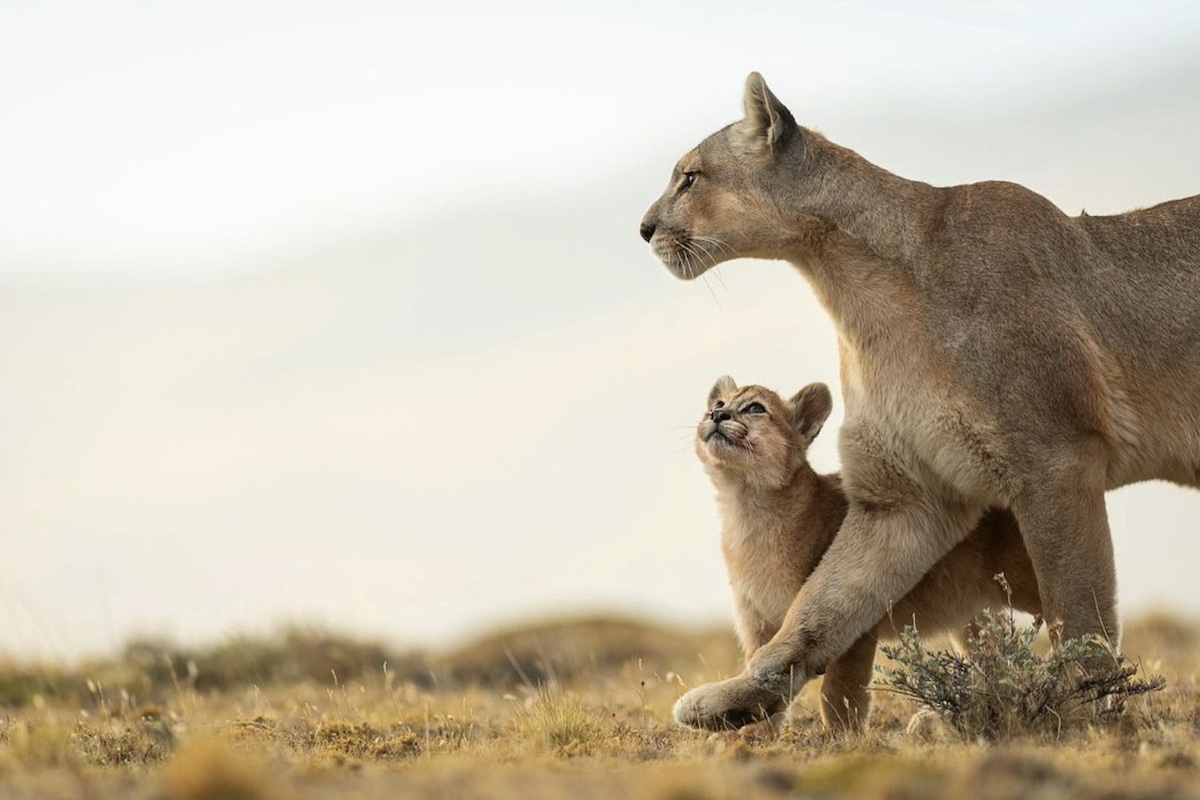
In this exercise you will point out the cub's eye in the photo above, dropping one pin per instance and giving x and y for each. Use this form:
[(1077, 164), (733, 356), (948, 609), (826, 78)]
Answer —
[(718, 404), (754, 408), (688, 179)]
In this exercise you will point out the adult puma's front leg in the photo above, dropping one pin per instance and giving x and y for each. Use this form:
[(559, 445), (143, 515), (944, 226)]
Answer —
[(731, 704), (877, 557), (1064, 523)]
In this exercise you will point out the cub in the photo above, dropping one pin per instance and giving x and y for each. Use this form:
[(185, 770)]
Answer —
[(779, 517)]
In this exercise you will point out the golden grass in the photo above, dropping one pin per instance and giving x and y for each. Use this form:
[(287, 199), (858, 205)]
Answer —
[(575, 709)]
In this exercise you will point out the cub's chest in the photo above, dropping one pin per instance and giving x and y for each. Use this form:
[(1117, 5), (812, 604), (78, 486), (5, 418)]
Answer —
[(763, 570)]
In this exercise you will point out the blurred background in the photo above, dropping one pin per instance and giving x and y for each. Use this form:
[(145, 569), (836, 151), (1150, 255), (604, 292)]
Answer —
[(336, 313)]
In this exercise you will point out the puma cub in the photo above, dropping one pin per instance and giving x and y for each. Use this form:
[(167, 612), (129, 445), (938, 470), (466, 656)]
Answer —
[(779, 517)]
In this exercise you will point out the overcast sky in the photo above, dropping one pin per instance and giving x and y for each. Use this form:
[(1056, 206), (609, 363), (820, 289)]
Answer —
[(337, 311), (155, 138)]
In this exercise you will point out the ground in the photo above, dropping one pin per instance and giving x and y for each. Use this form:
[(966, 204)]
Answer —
[(574, 709)]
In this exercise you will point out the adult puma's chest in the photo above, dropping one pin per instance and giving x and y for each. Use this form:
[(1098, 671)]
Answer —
[(905, 406)]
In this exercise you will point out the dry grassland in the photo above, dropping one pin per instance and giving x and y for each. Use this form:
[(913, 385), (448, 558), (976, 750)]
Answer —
[(575, 709)]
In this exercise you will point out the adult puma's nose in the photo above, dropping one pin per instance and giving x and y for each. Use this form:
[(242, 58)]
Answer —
[(720, 415), (647, 230)]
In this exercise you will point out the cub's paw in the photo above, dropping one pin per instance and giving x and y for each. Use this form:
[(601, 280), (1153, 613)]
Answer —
[(729, 704)]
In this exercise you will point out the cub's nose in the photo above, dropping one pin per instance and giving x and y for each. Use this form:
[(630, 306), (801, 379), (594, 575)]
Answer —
[(720, 415), (647, 230)]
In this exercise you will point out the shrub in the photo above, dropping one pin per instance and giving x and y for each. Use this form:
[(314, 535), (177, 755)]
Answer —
[(1003, 688)]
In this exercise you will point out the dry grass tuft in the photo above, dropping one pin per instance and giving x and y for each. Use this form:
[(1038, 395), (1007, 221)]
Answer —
[(560, 723), (117, 743), (344, 741)]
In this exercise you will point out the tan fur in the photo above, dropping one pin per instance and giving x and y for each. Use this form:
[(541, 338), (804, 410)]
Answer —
[(779, 517), (994, 352)]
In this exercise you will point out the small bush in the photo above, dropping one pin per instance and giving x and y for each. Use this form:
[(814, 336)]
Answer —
[(117, 744), (1002, 688), (561, 650), (359, 740), (20, 685), (294, 654)]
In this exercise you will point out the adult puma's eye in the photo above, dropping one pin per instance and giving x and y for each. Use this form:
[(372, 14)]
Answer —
[(688, 179), (755, 408)]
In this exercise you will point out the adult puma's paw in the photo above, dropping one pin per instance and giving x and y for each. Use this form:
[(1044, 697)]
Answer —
[(730, 704)]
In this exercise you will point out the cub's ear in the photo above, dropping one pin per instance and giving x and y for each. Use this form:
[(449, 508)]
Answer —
[(768, 122), (722, 387), (810, 408)]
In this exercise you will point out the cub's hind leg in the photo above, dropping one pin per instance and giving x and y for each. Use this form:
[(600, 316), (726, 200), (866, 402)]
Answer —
[(845, 696)]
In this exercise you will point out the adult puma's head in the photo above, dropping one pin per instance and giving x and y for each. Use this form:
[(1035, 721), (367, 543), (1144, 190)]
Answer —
[(751, 435), (727, 197)]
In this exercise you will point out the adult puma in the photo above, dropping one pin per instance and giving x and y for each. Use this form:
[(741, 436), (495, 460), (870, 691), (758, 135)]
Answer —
[(994, 351), (779, 517)]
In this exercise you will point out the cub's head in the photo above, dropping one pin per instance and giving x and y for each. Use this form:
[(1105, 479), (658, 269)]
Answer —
[(753, 436), (727, 198)]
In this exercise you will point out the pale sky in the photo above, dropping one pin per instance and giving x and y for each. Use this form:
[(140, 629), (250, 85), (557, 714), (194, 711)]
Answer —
[(337, 312), (157, 138)]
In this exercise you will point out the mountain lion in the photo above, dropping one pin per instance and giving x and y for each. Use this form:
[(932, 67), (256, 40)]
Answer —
[(994, 352)]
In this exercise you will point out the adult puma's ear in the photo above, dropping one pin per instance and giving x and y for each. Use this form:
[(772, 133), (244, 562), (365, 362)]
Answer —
[(810, 408), (722, 387), (768, 121)]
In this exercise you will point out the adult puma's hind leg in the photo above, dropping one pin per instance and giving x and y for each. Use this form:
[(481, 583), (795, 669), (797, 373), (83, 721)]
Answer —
[(1064, 523), (961, 637)]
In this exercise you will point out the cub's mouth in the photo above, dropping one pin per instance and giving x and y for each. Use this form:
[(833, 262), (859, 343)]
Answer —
[(717, 438)]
